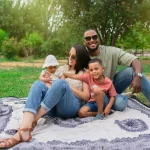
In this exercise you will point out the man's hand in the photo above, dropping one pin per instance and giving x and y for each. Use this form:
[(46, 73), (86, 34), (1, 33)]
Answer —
[(136, 84)]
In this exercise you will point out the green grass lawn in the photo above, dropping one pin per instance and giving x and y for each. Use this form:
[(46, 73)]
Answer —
[(17, 81), (146, 69)]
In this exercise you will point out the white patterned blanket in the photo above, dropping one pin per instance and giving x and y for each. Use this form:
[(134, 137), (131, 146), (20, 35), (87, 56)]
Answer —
[(125, 130)]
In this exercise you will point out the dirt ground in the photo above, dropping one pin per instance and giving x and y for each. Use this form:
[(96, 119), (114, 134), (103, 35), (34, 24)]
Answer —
[(36, 63), (39, 63)]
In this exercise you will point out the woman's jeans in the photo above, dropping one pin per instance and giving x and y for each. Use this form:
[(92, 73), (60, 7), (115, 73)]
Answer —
[(58, 100), (121, 81)]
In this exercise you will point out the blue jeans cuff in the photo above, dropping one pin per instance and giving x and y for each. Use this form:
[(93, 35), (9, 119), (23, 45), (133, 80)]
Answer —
[(45, 107), (30, 110)]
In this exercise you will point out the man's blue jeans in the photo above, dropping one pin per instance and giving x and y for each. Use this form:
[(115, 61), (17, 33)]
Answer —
[(58, 100), (121, 81)]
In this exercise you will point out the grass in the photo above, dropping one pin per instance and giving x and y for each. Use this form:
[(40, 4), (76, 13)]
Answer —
[(146, 68), (16, 82), (144, 58), (140, 96)]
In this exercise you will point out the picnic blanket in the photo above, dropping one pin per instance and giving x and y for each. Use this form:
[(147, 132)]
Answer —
[(125, 130)]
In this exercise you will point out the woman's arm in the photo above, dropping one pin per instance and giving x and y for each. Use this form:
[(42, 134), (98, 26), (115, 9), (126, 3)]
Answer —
[(84, 95)]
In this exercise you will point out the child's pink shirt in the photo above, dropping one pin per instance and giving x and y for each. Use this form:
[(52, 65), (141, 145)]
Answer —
[(107, 86)]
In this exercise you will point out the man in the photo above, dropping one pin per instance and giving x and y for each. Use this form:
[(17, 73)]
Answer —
[(112, 57)]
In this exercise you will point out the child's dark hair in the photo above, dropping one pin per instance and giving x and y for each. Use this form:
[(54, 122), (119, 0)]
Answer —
[(95, 60)]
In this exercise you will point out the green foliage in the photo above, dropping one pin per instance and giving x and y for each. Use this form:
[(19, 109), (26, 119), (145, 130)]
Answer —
[(52, 46), (111, 20), (3, 36), (138, 37), (62, 23), (45, 48), (56, 47), (19, 17), (6, 18), (30, 45), (9, 48)]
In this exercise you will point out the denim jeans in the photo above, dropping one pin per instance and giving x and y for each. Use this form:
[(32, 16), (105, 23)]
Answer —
[(58, 100), (93, 106), (121, 81)]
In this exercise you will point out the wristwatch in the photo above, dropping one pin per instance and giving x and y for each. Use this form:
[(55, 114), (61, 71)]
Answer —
[(139, 75)]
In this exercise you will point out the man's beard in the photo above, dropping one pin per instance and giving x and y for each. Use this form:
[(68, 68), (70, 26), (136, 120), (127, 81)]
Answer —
[(92, 49)]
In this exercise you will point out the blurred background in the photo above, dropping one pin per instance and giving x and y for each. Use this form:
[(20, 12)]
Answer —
[(39, 27), (32, 29)]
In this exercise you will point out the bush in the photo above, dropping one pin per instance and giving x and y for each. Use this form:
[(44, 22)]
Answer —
[(3, 36), (25, 48), (45, 49), (54, 47), (30, 45), (9, 48)]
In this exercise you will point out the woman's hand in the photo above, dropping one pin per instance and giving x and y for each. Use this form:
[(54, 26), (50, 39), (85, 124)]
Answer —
[(84, 95)]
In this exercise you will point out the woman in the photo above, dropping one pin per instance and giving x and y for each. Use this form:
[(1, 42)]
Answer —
[(63, 99)]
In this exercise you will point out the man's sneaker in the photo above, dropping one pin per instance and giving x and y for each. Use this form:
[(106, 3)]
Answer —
[(99, 117)]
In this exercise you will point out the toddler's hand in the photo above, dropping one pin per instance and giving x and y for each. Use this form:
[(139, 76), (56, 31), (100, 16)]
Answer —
[(48, 79), (47, 75)]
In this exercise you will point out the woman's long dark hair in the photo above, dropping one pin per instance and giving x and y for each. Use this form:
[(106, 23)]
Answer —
[(82, 57)]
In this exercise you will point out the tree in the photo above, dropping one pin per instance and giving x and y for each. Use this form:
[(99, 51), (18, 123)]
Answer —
[(20, 17), (110, 18), (138, 37), (3, 36), (5, 15)]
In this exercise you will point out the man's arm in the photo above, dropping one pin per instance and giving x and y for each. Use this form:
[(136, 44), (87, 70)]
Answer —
[(136, 82), (136, 65), (72, 76)]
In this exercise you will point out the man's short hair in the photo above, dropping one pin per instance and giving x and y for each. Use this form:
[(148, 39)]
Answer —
[(95, 60), (89, 30)]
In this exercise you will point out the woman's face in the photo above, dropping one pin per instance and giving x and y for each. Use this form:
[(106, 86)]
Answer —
[(72, 59)]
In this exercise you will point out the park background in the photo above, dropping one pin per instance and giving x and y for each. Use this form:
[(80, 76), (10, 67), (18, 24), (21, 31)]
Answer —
[(32, 29)]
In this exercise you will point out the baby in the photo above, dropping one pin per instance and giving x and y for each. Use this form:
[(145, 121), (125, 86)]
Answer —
[(50, 73)]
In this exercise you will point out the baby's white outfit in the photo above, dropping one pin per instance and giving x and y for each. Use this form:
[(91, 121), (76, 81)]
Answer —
[(55, 75)]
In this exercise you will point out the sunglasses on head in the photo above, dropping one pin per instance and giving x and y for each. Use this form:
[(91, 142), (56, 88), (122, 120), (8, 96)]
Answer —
[(73, 57), (88, 38)]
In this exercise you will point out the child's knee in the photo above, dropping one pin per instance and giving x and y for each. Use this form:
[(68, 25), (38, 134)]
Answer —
[(81, 113), (98, 91)]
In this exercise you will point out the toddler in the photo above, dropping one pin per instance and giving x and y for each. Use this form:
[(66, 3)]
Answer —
[(50, 73)]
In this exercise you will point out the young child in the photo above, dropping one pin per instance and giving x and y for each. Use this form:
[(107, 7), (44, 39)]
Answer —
[(101, 89), (50, 73)]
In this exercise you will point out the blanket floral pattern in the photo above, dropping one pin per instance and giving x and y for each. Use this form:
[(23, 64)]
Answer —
[(130, 125)]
